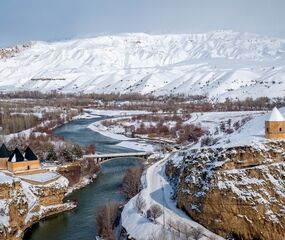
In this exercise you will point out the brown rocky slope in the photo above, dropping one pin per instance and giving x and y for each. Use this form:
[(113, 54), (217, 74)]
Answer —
[(237, 191), (23, 204)]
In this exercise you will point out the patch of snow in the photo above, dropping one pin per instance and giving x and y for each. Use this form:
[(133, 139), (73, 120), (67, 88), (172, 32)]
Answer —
[(41, 177), (137, 145)]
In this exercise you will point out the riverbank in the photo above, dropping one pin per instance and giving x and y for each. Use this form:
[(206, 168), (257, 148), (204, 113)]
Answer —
[(91, 195), (117, 134), (173, 222)]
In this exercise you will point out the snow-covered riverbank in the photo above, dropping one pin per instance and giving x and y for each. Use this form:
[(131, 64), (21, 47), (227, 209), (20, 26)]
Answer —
[(157, 190), (116, 133)]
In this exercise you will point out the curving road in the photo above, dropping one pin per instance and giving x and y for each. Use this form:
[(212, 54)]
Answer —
[(159, 191)]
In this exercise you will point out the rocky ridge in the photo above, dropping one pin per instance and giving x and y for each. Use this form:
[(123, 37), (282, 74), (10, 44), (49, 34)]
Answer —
[(236, 191)]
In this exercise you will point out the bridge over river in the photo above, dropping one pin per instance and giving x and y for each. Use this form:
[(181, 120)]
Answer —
[(105, 157)]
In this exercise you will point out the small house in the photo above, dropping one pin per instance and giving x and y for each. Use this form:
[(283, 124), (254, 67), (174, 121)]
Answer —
[(22, 162)]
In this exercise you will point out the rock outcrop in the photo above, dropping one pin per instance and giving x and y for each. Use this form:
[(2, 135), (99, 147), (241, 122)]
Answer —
[(78, 172), (22, 204), (238, 191), (13, 51)]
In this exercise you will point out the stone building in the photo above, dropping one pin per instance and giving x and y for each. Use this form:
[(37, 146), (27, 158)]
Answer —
[(19, 162), (4, 156), (275, 126)]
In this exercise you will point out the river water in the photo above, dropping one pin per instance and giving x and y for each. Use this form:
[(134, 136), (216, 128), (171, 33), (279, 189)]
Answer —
[(79, 224)]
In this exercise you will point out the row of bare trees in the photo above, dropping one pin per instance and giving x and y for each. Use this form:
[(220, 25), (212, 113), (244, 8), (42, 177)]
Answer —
[(134, 101), (16, 122)]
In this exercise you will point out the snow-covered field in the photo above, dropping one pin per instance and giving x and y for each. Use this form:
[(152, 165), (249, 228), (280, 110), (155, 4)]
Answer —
[(251, 133), (138, 145), (219, 64), (5, 179), (41, 177)]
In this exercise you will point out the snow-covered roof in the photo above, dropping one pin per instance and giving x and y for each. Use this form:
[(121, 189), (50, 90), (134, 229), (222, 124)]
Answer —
[(276, 116)]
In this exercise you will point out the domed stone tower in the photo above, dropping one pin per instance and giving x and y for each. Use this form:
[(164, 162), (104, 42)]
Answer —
[(275, 126)]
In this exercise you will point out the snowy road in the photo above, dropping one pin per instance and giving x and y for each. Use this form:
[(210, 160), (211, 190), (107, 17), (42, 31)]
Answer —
[(159, 192)]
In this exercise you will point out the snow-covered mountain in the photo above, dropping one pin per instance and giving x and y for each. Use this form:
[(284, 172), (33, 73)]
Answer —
[(219, 64)]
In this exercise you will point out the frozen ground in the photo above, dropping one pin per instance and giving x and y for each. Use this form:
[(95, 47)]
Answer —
[(41, 177)]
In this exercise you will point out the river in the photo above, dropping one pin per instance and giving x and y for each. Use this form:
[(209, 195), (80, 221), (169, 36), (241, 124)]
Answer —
[(79, 224)]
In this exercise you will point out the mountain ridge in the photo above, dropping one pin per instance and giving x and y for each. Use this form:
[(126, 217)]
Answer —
[(218, 64)]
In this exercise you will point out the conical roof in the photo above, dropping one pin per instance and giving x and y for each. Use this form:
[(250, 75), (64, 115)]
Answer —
[(4, 152), (276, 116), (16, 156), (29, 154)]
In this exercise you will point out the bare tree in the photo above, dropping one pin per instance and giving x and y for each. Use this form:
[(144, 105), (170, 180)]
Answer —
[(131, 182), (212, 237), (105, 220), (197, 233), (170, 224), (140, 203), (178, 227), (154, 212), (187, 231)]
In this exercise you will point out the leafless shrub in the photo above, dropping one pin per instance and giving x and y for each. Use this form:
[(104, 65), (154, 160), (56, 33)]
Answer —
[(208, 141), (170, 224), (212, 237), (105, 220), (187, 231), (131, 182), (179, 228), (140, 203), (154, 212), (197, 233)]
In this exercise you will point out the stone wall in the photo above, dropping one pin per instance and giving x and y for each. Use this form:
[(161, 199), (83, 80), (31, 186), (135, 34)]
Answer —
[(22, 166), (275, 130), (3, 163)]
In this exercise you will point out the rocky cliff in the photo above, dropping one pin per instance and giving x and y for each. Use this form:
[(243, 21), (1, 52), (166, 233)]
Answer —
[(79, 173), (23, 204), (238, 191)]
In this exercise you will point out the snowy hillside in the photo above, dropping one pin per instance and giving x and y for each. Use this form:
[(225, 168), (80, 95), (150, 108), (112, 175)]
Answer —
[(220, 64)]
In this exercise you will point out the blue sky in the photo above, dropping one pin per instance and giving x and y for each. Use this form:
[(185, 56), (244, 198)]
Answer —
[(25, 20)]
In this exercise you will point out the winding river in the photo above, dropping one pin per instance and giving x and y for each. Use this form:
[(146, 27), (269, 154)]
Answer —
[(79, 224)]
